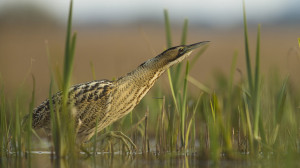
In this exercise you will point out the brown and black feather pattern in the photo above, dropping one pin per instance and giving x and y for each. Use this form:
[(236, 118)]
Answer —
[(108, 101)]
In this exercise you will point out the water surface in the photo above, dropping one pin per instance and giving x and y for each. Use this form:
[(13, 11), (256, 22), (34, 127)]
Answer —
[(45, 159)]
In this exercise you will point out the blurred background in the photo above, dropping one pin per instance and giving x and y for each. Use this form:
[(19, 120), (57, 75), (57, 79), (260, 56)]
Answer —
[(117, 36)]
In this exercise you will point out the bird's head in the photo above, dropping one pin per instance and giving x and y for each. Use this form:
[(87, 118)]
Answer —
[(176, 54)]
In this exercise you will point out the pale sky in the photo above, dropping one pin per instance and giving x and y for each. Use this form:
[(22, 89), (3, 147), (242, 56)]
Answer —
[(214, 11)]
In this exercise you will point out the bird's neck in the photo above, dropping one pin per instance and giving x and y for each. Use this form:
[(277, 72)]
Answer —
[(144, 75), (131, 88)]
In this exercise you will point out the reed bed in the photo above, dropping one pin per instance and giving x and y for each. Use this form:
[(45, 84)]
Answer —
[(256, 117)]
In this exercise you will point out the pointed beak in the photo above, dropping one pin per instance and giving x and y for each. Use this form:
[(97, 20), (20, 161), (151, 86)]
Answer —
[(195, 45)]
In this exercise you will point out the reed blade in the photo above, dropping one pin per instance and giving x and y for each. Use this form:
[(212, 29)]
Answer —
[(247, 52), (167, 29)]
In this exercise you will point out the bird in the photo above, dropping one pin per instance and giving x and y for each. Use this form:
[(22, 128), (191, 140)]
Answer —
[(100, 103)]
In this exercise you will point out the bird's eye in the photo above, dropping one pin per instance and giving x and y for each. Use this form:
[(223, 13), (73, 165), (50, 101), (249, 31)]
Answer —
[(180, 50)]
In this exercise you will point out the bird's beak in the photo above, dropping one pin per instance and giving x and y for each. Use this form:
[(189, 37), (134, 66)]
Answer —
[(195, 45)]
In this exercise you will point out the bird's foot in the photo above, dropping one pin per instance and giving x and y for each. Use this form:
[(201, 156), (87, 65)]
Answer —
[(129, 145)]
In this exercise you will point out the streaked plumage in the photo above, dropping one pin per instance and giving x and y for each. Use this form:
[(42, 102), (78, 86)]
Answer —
[(109, 101)]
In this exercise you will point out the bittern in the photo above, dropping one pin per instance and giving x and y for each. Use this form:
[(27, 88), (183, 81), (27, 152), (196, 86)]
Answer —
[(99, 103)]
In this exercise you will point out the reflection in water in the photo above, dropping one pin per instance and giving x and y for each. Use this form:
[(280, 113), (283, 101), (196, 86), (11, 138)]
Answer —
[(139, 160)]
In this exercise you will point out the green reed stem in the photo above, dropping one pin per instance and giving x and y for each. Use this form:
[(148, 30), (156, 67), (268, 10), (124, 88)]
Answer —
[(256, 86), (29, 128), (184, 32), (67, 132), (184, 106), (168, 29), (257, 60), (3, 123), (17, 130), (247, 52), (176, 71)]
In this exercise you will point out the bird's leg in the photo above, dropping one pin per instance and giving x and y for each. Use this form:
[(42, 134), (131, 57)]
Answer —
[(83, 149), (119, 135)]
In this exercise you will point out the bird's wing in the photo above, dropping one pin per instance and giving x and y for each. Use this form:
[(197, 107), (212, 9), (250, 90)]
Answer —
[(41, 114), (92, 100), (87, 98)]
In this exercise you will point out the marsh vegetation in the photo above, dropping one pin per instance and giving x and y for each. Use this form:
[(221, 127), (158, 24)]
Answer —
[(253, 118)]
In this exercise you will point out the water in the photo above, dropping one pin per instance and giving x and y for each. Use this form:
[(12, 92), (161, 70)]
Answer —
[(44, 159)]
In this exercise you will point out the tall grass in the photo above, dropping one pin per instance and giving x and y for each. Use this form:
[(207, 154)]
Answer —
[(4, 124), (63, 120), (179, 97), (237, 120), (29, 126), (254, 99), (253, 117)]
